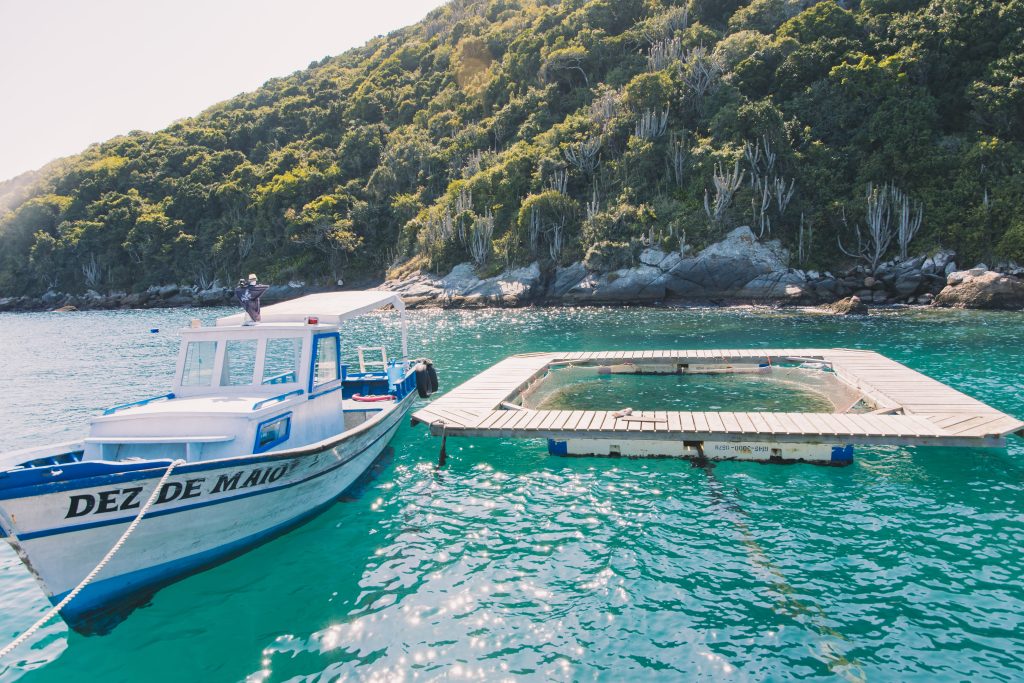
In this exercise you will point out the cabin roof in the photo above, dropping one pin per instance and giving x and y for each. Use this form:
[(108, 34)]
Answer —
[(330, 307)]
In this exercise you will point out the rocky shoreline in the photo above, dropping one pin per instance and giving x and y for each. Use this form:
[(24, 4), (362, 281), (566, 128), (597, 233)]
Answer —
[(737, 270)]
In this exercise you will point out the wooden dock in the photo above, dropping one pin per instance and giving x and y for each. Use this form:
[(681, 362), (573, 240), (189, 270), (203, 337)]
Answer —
[(909, 408)]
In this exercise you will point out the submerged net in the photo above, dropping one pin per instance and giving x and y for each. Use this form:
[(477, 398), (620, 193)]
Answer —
[(776, 389)]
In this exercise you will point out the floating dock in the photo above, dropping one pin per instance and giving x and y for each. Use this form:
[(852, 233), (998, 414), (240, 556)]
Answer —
[(902, 408)]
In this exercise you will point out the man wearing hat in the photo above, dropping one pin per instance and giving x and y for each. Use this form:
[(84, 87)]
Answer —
[(248, 295)]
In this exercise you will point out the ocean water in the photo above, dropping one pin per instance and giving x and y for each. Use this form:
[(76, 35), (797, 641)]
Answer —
[(510, 564), (586, 389)]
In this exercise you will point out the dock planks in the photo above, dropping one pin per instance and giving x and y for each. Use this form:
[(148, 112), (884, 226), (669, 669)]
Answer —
[(921, 410)]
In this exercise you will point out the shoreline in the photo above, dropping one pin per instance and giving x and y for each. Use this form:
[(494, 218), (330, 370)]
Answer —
[(674, 303)]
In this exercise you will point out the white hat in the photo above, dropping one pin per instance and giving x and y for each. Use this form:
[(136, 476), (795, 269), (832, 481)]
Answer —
[(252, 276)]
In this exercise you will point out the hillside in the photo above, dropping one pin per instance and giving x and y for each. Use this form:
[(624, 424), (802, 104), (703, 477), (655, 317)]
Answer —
[(511, 131)]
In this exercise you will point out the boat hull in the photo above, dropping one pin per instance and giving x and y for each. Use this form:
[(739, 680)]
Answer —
[(206, 513)]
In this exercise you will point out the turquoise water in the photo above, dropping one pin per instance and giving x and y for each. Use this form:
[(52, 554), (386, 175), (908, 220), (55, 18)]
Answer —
[(740, 392), (512, 564)]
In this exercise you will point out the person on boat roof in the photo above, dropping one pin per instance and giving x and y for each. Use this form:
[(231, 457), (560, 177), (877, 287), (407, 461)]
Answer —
[(248, 295)]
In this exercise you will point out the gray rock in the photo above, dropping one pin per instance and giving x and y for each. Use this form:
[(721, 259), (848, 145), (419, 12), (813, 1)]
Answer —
[(652, 257), (942, 259), (463, 278), (214, 295), (724, 268), (627, 285), (51, 297), (670, 261), (182, 298), (508, 288), (166, 291), (134, 300), (777, 285), (566, 279), (950, 268)]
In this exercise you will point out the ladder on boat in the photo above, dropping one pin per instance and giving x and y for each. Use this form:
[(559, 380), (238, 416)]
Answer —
[(364, 363)]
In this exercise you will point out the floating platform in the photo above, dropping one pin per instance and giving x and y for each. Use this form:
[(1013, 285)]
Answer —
[(900, 407)]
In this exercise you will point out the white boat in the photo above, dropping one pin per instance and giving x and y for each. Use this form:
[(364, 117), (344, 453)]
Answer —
[(265, 427)]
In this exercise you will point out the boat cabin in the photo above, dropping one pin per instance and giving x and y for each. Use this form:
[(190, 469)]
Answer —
[(243, 387)]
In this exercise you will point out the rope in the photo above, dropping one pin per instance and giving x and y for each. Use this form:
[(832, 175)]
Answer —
[(92, 575)]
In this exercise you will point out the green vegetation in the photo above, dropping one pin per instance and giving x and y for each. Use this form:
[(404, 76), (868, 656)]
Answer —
[(506, 131)]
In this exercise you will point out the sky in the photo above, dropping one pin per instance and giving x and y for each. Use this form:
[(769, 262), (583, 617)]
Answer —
[(75, 72)]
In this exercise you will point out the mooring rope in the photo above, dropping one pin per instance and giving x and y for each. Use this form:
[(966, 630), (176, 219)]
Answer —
[(92, 575), (836, 661)]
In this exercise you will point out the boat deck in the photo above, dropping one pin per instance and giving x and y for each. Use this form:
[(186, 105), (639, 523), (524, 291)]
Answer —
[(911, 408)]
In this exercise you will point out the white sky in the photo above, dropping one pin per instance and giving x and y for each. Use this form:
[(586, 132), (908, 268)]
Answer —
[(74, 72)]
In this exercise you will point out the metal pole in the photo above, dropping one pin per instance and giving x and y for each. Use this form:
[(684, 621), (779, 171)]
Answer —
[(405, 336)]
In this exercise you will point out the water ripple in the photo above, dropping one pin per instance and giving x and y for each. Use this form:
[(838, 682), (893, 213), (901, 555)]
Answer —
[(512, 565)]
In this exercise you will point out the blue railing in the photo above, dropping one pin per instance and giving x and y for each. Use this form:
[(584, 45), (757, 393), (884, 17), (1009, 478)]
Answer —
[(260, 404), (111, 411)]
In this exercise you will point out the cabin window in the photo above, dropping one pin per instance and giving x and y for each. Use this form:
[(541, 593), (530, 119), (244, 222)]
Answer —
[(239, 363), (326, 360), (281, 360), (198, 370), (273, 432)]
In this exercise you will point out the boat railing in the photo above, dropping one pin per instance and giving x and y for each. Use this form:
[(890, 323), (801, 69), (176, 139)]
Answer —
[(283, 378), (275, 399), (135, 404)]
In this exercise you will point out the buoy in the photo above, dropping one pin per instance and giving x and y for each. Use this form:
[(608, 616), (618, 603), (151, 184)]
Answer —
[(154, 330), (373, 399)]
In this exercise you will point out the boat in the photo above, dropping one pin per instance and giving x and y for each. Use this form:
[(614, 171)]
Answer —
[(873, 401), (264, 427)]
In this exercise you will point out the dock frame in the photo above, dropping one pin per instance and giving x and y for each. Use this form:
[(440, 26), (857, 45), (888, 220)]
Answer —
[(911, 409)]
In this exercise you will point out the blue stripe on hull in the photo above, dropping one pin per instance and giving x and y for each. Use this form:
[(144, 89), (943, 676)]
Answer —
[(27, 536), (109, 597), (103, 604)]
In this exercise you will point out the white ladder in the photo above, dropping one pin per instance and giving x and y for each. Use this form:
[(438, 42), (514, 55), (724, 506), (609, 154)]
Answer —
[(363, 363)]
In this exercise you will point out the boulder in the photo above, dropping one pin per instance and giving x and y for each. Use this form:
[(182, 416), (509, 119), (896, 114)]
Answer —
[(989, 290), (778, 285), (627, 285), (652, 257), (463, 288), (911, 276), (510, 288), (65, 309), (849, 306), (941, 260), (135, 300), (724, 268), (566, 279), (214, 296)]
